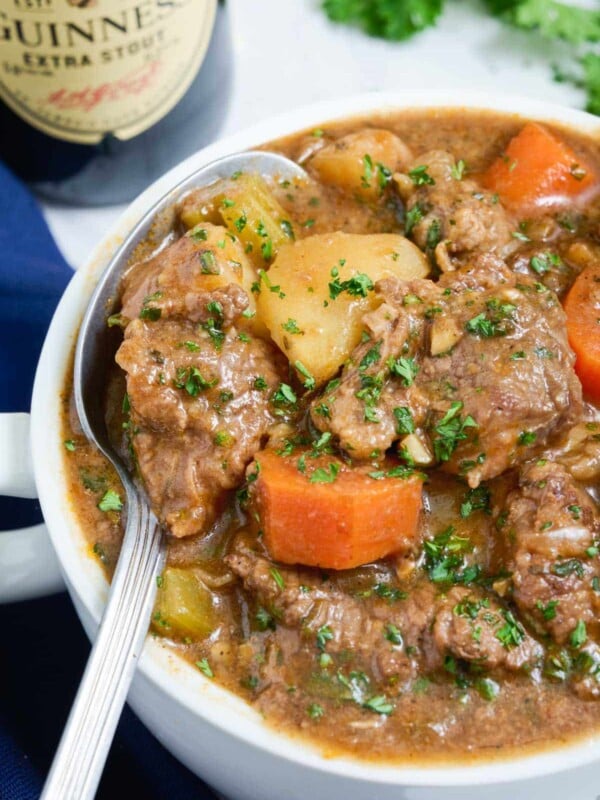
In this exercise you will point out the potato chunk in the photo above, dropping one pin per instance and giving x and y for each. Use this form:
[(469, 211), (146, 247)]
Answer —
[(362, 162), (184, 605), (316, 292)]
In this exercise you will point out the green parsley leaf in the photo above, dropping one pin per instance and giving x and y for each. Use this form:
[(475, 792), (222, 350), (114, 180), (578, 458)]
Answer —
[(315, 711), (392, 634), (284, 396), (291, 326), (379, 704), (390, 19), (526, 438), (548, 611), (205, 667), (110, 501), (324, 635), (322, 475), (404, 420), (404, 368), (420, 177), (450, 431), (487, 688), (413, 216), (553, 19), (578, 635), (277, 577), (511, 634), (309, 382), (476, 500)]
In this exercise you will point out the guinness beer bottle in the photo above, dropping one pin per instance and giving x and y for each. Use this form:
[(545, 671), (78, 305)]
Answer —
[(100, 97)]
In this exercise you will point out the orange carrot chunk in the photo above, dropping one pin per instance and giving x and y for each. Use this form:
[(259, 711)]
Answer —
[(582, 307), (539, 170), (350, 520)]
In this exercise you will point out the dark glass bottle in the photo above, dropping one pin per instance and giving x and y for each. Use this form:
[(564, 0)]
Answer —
[(115, 170)]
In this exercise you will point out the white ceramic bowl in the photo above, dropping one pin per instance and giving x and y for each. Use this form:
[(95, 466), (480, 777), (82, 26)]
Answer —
[(214, 733)]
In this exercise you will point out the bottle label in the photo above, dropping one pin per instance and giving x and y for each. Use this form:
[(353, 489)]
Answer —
[(81, 69)]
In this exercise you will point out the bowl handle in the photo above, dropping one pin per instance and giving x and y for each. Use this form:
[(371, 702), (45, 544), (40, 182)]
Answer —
[(16, 466), (30, 567)]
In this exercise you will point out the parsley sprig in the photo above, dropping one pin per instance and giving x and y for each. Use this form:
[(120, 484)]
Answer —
[(397, 20)]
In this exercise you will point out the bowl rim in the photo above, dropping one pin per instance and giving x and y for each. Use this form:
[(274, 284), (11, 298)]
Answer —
[(83, 575)]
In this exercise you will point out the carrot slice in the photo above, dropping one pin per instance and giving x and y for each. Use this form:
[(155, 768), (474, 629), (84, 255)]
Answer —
[(582, 307), (352, 520), (539, 170)]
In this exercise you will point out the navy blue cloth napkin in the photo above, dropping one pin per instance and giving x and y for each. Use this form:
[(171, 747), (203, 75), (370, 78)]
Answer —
[(43, 648)]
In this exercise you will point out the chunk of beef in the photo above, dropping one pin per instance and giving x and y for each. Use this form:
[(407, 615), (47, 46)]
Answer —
[(300, 600), (197, 415), (401, 638), (477, 364), (551, 525), (471, 626), (579, 450), (453, 215), (176, 279)]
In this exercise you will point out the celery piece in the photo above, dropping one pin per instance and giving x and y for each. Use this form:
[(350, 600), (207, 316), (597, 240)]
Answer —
[(252, 213), (184, 605)]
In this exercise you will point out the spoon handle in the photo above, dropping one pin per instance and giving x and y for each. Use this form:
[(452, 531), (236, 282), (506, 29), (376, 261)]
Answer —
[(86, 739)]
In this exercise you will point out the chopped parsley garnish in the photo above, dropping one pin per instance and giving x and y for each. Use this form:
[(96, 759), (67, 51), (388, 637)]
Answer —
[(260, 383), (405, 423), (404, 368), (444, 558), (291, 326), (511, 634), (192, 381), (241, 222), (308, 382), (434, 235), (389, 593), (152, 313), (110, 501), (198, 234), (284, 396), (205, 668), (69, 445), (413, 216), (458, 170), (358, 285), (372, 356), (578, 635), (495, 321), (324, 635), (392, 634), (487, 688), (315, 711), (543, 263), (476, 500), (323, 475), (450, 430), (547, 611), (571, 566), (209, 264), (265, 620), (526, 438), (379, 704), (277, 577), (420, 177)]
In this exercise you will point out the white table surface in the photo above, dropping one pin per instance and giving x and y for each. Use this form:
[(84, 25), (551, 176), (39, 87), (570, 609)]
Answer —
[(287, 54)]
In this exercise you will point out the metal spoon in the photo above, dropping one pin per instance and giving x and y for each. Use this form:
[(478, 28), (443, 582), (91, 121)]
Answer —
[(86, 739)]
